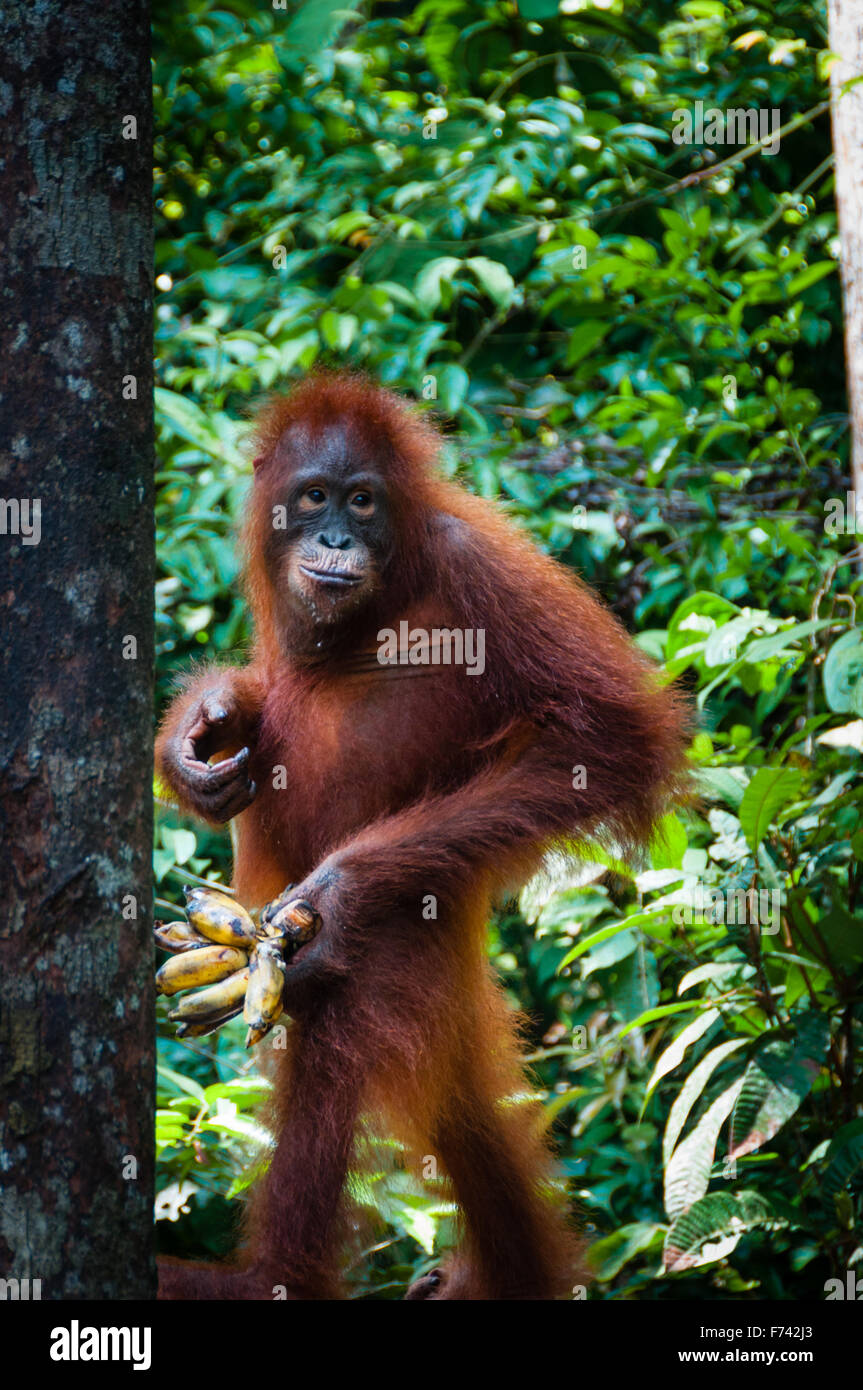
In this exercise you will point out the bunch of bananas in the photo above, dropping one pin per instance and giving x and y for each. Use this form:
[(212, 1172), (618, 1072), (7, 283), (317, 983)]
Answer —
[(241, 966)]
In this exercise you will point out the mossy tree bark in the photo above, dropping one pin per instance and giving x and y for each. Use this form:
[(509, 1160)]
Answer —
[(76, 582)]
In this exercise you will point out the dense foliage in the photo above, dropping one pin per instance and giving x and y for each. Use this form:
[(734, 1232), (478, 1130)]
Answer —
[(636, 343)]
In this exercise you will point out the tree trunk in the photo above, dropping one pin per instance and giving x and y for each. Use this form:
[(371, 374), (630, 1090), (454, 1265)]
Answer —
[(76, 580), (846, 40)]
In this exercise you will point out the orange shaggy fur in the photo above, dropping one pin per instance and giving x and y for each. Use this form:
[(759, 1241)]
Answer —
[(404, 783)]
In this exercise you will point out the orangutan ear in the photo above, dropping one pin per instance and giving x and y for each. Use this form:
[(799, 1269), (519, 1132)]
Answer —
[(256, 463)]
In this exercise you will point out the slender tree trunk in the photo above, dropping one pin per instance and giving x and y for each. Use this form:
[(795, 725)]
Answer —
[(76, 575), (846, 40)]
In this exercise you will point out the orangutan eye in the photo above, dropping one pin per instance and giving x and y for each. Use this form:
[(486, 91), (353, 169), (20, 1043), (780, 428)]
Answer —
[(312, 497), (363, 502)]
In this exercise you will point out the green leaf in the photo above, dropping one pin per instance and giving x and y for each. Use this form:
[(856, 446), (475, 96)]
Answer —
[(183, 1083), (538, 9), (720, 783), (675, 1052), (476, 189), (843, 1157), (688, 1172), (614, 948), (842, 671), (338, 330), (777, 1079), (427, 286), (721, 1214), (669, 843), (770, 789), (717, 972), (766, 647), (314, 25), (635, 983), (810, 276), (839, 931), (224, 1122), (583, 339), (596, 939), (609, 1255), (452, 387), (246, 1092), (187, 419), (420, 1224), (342, 226), (494, 278), (691, 1091), (651, 1015), (184, 843)]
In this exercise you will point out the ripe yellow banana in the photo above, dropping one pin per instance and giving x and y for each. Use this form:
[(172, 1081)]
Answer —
[(213, 949), (219, 918), (177, 936), (266, 985), (219, 998), (204, 966)]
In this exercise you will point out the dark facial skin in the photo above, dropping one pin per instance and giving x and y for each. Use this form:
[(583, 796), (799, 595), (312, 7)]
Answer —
[(326, 522), (331, 540)]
